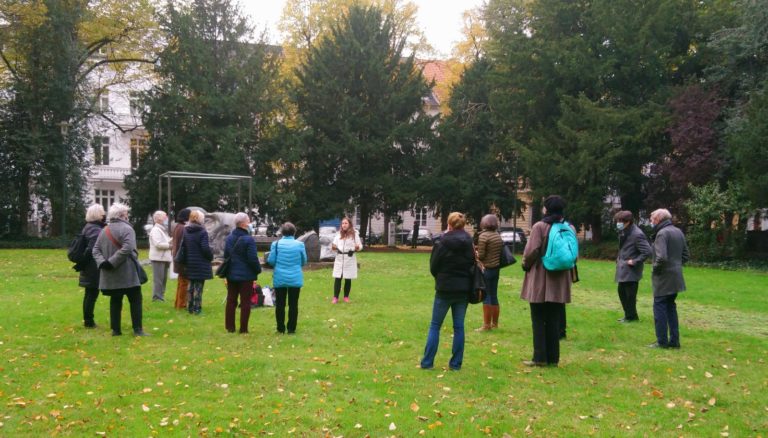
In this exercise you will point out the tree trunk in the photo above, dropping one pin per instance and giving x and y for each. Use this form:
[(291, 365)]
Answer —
[(364, 213), (20, 227), (597, 228), (386, 232)]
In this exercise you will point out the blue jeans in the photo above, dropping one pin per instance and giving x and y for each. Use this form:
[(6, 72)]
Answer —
[(491, 286), (458, 306), (665, 318)]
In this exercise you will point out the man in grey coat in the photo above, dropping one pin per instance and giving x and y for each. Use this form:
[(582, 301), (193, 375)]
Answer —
[(116, 256), (633, 250), (670, 252)]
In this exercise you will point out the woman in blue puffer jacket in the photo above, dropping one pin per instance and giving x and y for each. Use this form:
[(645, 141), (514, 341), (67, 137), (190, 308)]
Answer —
[(287, 255), (197, 260), (240, 249)]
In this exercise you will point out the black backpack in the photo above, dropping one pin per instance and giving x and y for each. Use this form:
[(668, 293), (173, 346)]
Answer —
[(77, 252)]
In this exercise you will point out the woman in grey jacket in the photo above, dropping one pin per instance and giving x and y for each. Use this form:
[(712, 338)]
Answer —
[(116, 256)]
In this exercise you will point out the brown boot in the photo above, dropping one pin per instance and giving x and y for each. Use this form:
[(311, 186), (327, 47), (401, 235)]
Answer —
[(494, 316), (486, 319)]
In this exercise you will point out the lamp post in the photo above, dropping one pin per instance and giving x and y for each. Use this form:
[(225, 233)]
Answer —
[(64, 129)]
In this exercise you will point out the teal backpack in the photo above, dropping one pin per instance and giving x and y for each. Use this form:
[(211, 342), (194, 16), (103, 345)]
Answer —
[(562, 248)]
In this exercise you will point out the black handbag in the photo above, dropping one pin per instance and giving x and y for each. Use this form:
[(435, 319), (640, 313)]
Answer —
[(477, 293), (226, 265), (181, 254), (506, 258), (143, 278)]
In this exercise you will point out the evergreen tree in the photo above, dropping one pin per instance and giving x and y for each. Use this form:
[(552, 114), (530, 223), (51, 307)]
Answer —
[(364, 130), (210, 111), (471, 168)]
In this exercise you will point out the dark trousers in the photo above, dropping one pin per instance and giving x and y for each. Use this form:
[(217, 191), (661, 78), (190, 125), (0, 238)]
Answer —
[(116, 307), (665, 319), (244, 290), (292, 294), (89, 303), (545, 321), (628, 298), (337, 286), (563, 323)]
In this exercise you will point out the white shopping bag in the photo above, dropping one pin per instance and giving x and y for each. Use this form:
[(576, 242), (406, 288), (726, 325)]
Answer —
[(269, 296)]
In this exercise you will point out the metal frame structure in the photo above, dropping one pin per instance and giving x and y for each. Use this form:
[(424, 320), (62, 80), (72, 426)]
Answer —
[(170, 176)]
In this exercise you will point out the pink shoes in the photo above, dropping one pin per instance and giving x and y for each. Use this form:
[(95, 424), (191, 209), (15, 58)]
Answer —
[(346, 299), (334, 300)]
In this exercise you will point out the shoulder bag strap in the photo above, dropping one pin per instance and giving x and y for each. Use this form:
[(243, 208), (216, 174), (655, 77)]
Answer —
[(111, 238)]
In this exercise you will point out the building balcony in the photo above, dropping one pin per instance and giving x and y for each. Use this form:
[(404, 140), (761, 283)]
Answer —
[(109, 173)]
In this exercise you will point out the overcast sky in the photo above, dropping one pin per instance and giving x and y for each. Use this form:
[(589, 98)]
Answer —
[(440, 19)]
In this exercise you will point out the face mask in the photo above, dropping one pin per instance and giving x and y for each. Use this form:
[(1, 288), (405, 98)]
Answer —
[(250, 229), (620, 226)]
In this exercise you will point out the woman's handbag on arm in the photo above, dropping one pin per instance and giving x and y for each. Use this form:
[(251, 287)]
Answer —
[(477, 292)]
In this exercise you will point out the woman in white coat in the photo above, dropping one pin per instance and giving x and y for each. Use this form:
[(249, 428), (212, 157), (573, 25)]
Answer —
[(159, 254), (346, 244)]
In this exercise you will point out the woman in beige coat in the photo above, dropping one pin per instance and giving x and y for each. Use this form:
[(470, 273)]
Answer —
[(546, 291)]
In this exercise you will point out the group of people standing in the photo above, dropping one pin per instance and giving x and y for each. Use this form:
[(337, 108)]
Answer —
[(113, 266), (454, 255)]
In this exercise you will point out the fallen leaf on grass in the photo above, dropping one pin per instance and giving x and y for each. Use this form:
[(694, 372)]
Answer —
[(414, 407), (708, 375), (671, 405), (392, 426), (358, 426), (145, 408), (712, 401)]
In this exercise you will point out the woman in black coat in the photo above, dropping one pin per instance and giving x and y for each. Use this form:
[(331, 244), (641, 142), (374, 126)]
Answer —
[(95, 219), (453, 257), (197, 256)]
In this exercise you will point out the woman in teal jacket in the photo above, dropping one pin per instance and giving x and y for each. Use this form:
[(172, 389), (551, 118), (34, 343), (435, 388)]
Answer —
[(287, 255)]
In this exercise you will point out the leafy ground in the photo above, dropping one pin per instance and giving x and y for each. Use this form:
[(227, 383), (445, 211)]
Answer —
[(352, 368)]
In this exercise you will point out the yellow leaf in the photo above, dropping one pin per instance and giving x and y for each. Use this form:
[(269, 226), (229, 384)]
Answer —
[(708, 375), (145, 408), (712, 401), (414, 407), (656, 393), (671, 405)]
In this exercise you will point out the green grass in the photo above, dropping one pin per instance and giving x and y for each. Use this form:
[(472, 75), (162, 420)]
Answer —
[(352, 369)]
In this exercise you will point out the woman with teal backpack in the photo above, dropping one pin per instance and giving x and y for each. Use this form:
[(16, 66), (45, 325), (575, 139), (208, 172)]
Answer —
[(548, 290)]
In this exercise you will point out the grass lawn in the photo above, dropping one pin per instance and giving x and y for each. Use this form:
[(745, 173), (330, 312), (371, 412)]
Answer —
[(352, 369)]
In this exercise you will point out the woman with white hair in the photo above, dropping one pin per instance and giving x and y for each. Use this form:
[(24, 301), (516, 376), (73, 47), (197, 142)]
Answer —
[(240, 248), (89, 275), (159, 254), (116, 256)]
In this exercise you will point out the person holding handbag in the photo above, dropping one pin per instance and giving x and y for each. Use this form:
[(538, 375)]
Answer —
[(240, 250), (451, 264), (197, 255), (489, 246), (346, 244), (116, 256), (287, 256)]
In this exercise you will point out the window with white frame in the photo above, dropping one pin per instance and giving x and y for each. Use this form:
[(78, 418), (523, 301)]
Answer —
[(101, 151), (104, 101), (138, 147), (135, 103), (421, 216), (104, 197)]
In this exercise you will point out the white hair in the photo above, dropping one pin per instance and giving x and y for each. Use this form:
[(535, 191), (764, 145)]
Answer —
[(242, 217), (117, 211), (159, 216), (94, 213), (661, 214)]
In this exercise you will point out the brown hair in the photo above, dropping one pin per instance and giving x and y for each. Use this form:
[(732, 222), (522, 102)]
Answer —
[(350, 231), (457, 220), (623, 216)]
